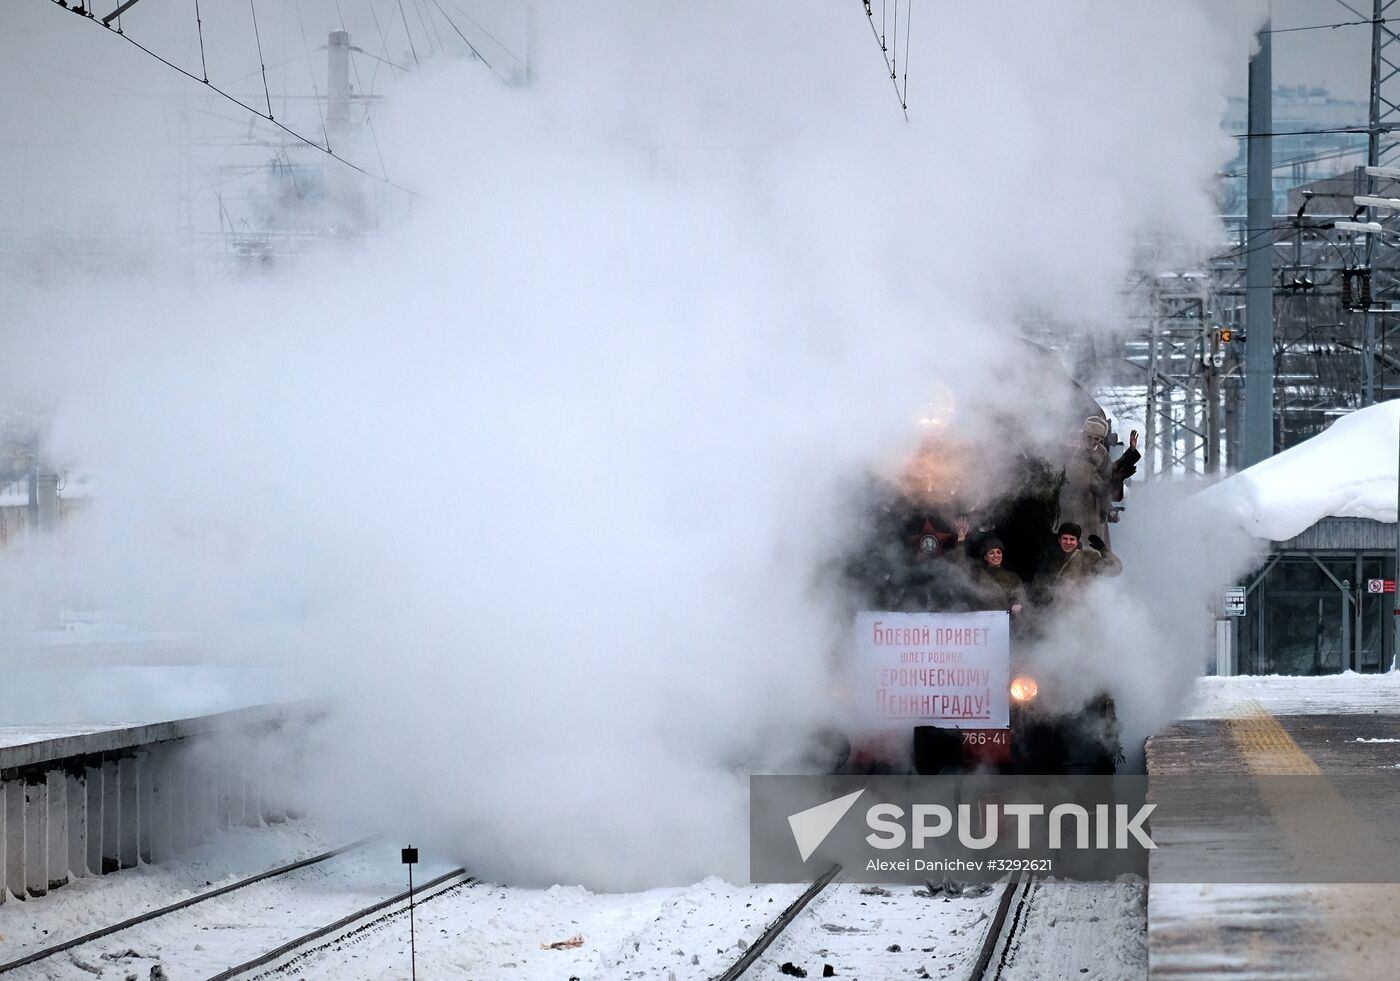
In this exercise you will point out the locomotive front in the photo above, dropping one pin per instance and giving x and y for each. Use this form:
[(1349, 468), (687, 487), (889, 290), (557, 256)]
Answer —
[(951, 601)]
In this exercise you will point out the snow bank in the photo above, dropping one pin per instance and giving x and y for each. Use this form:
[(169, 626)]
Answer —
[(1348, 471), (1348, 693)]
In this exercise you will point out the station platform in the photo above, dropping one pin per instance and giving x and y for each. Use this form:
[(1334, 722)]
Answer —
[(1342, 733)]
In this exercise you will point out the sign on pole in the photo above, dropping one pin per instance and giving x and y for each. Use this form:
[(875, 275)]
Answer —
[(1233, 601), (1380, 585), (943, 669)]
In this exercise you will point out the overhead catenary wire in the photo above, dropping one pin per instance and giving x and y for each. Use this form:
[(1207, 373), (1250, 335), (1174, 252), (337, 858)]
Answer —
[(494, 40), (369, 118), (1314, 157), (243, 105), (383, 51), (411, 47), (199, 27), (261, 62), (468, 43), (315, 89), (1331, 131), (908, 16), (1323, 27), (894, 52), (884, 53), (428, 25), (1247, 249), (1378, 21)]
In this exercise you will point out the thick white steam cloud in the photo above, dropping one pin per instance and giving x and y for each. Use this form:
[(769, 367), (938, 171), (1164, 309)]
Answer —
[(540, 484)]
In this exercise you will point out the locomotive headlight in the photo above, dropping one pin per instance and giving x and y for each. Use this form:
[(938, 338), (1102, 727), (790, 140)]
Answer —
[(1023, 688)]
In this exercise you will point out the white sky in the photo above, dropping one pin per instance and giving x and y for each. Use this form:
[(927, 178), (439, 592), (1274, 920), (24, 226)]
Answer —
[(80, 105), (1338, 59)]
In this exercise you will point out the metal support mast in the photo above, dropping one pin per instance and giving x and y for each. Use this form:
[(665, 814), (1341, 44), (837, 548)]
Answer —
[(1182, 426), (1384, 116), (1259, 238)]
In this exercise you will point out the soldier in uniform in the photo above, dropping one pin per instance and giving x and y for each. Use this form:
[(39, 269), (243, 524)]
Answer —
[(1072, 563), (1001, 587), (1093, 482)]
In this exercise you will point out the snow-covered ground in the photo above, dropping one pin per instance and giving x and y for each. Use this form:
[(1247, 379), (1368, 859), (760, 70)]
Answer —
[(1090, 930), (88, 903), (891, 932), (486, 931), (1337, 694)]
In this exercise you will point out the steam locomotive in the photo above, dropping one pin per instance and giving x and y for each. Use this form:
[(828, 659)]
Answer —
[(919, 552)]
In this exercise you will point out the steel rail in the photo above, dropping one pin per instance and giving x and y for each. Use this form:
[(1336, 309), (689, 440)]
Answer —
[(352, 936), (1000, 934), (173, 907), (780, 924), (344, 921)]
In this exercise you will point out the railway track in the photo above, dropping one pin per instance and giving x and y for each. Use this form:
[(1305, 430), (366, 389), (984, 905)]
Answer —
[(76, 943), (1000, 941), (994, 955), (178, 927), (779, 924), (346, 930)]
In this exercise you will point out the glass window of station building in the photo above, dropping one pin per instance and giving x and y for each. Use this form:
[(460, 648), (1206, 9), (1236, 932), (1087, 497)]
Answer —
[(1310, 609)]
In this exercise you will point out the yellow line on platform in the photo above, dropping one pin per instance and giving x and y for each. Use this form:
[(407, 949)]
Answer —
[(1267, 748), (1354, 921)]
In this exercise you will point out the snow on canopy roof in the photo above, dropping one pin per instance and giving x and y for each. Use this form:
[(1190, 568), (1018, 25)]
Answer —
[(1347, 471)]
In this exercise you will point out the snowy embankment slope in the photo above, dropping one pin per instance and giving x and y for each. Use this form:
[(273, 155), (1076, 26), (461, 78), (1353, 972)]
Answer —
[(1348, 471)]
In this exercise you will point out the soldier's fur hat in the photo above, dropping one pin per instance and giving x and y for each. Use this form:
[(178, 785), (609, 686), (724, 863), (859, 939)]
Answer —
[(1096, 426), (992, 543), (1070, 528)]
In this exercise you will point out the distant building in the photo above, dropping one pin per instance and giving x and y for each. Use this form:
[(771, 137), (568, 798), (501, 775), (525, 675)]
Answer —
[(1331, 195), (1301, 154), (50, 505)]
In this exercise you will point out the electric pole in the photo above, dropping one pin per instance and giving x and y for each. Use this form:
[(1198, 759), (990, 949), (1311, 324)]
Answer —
[(338, 83), (1259, 269)]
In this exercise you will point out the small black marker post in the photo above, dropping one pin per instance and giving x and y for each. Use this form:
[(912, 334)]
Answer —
[(410, 858)]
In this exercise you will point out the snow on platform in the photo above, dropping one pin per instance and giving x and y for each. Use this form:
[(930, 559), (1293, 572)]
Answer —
[(24, 735), (97, 674), (1343, 731), (1348, 693)]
